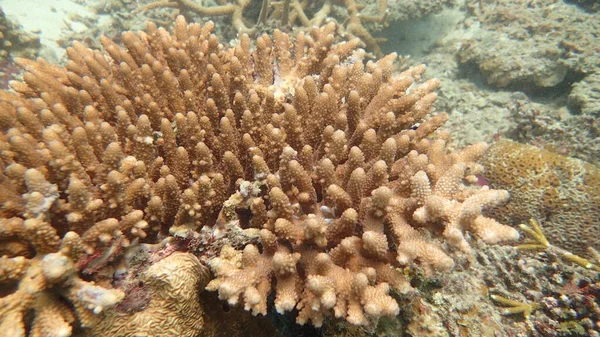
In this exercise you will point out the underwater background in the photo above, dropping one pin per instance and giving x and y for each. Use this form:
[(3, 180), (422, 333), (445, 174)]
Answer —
[(523, 76)]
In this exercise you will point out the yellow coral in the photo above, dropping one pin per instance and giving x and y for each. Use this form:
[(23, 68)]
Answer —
[(516, 307), (537, 241)]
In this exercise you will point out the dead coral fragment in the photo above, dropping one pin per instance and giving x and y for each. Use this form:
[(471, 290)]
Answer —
[(292, 13)]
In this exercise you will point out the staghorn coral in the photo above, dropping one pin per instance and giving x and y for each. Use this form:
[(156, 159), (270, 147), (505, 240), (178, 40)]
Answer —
[(234, 10), (303, 14), (329, 158), (562, 191)]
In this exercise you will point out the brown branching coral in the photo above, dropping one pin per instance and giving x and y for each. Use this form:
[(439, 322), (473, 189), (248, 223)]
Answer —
[(329, 158)]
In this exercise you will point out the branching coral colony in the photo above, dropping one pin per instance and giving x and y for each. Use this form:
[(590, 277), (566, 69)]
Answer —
[(329, 158)]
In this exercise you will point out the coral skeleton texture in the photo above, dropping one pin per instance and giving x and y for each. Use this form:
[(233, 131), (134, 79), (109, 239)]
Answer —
[(174, 283), (334, 161), (563, 191)]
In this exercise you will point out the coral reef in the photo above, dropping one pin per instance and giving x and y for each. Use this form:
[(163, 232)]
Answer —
[(333, 162), (112, 17), (562, 294), (519, 51), (561, 118), (572, 308), (548, 50), (584, 98), (555, 128), (562, 191), (294, 207), (460, 303), (476, 112), (589, 5)]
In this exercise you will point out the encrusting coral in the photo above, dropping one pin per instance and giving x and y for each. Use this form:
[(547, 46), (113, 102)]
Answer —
[(330, 159)]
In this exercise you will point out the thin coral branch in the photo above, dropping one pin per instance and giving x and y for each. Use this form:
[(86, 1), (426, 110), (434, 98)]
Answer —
[(515, 307), (538, 241), (264, 9), (285, 15)]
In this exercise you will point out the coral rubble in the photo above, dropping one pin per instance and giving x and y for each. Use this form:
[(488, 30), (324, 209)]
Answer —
[(402, 10), (335, 162), (540, 62), (563, 191)]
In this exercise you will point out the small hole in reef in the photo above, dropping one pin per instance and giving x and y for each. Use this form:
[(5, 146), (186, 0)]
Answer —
[(225, 307)]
